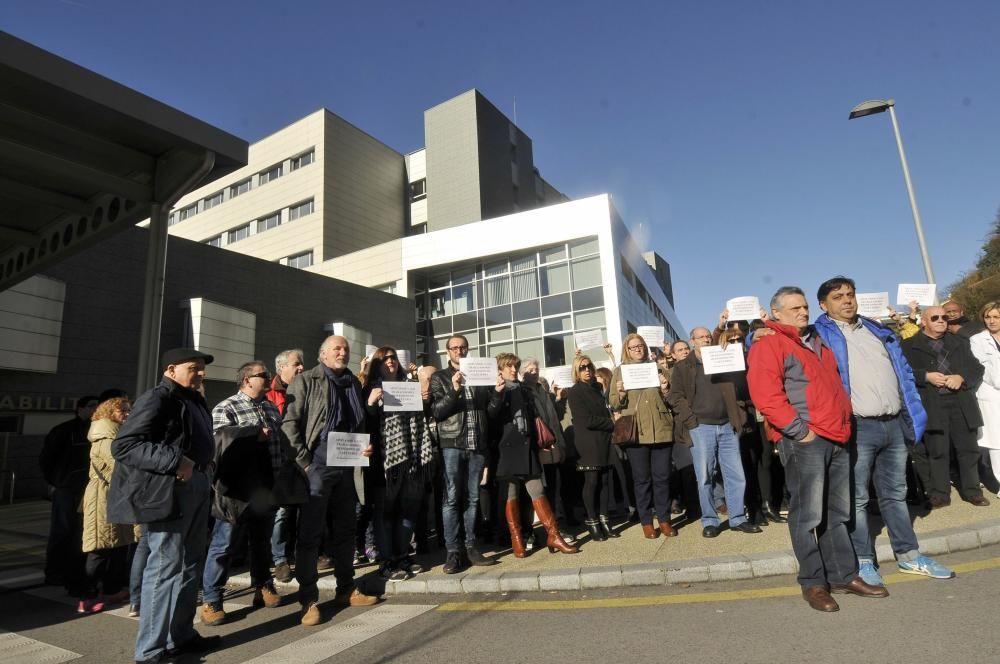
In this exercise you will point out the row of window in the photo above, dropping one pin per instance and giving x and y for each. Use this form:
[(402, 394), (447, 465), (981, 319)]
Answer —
[(647, 299), (265, 223), (242, 187)]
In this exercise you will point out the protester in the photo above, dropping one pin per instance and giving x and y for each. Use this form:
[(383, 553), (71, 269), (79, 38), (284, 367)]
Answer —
[(958, 324), (462, 424), (794, 382), (405, 449), (163, 452), (287, 365), (888, 416), (986, 347), (105, 543), (620, 461), (947, 376), (249, 452), (679, 350), (324, 400)]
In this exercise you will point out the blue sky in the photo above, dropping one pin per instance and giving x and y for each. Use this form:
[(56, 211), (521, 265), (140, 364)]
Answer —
[(721, 127)]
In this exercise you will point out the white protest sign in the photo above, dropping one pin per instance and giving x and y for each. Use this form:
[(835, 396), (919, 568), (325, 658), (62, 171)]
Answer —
[(651, 334), (589, 339), (719, 360), (346, 449), (561, 376), (479, 371), (743, 308), (873, 305), (924, 294), (404, 359), (641, 375), (370, 350), (398, 396)]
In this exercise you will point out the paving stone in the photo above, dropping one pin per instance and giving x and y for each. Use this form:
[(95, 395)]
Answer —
[(963, 540), (522, 581), (415, 586), (773, 564), (644, 574), (609, 576), (482, 582), (935, 545), (688, 571), (729, 568), (447, 583), (562, 579), (989, 534)]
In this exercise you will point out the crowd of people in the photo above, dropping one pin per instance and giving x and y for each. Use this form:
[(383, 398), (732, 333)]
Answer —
[(155, 500)]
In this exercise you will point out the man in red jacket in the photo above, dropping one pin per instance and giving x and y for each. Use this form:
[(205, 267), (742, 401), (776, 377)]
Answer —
[(794, 383)]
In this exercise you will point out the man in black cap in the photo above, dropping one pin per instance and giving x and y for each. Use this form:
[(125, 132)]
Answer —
[(163, 452)]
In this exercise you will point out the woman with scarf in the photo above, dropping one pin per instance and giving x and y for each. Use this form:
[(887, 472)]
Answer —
[(404, 456), (517, 461)]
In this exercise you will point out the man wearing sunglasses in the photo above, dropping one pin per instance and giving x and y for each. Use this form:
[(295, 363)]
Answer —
[(947, 375)]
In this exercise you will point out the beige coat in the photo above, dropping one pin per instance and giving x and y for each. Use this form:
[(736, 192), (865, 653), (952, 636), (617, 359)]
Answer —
[(97, 532), (652, 415)]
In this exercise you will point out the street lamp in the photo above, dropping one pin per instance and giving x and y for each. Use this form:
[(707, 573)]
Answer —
[(872, 107)]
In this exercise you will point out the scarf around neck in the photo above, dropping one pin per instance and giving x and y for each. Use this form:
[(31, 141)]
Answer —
[(343, 382)]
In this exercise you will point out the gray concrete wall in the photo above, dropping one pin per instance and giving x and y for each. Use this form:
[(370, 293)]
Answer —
[(101, 322), (453, 177)]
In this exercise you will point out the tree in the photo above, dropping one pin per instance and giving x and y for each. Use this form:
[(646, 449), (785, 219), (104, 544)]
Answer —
[(981, 284)]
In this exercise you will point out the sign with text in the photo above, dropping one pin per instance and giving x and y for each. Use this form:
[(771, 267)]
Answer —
[(589, 339), (873, 305), (479, 371), (404, 359), (651, 334), (743, 308), (399, 396), (370, 350), (723, 360), (561, 377), (346, 449), (924, 294), (641, 375)]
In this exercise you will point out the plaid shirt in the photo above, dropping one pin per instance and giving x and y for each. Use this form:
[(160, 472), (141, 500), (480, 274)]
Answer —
[(471, 420), (241, 410)]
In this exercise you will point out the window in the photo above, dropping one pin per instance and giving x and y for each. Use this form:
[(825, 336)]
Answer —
[(555, 279), (241, 187), (172, 219), (237, 234), (302, 160), (584, 247), (214, 241), (513, 153), (301, 260), (586, 272), (627, 272), (213, 200), (269, 222), (188, 212), (272, 173), (418, 190), (300, 210)]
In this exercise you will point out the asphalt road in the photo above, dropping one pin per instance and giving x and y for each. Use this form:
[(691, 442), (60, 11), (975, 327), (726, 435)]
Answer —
[(747, 621)]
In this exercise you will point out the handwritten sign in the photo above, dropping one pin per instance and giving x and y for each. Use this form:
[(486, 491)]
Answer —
[(404, 359), (924, 294), (479, 371), (743, 308), (561, 376), (719, 360), (651, 334), (873, 305), (346, 449), (589, 339), (399, 396), (641, 375)]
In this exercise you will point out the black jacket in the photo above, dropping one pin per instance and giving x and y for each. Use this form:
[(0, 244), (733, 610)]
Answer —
[(448, 409), (517, 453), (244, 477), (148, 449), (923, 359), (65, 457), (681, 395), (592, 425)]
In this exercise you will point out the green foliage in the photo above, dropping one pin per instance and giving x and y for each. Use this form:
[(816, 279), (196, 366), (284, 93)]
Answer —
[(981, 284)]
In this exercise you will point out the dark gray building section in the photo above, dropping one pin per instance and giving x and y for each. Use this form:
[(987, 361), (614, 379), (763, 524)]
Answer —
[(101, 320), (661, 270)]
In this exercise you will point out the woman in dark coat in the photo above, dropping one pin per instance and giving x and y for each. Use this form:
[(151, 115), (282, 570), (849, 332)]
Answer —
[(592, 427), (517, 461)]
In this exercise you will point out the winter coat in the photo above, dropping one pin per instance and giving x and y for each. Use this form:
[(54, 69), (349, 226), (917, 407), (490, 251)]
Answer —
[(913, 415), (64, 455), (592, 425), (962, 362), (546, 407), (652, 415), (517, 453), (683, 384), (98, 532), (797, 387), (448, 409), (988, 394)]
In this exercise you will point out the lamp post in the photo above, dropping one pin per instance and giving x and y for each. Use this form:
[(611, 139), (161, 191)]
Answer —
[(872, 107)]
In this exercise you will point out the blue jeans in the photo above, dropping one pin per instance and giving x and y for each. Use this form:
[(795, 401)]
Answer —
[(463, 470), (717, 446), (226, 538), (139, 560), (330, 505), (879, 450), (818, 475), (173, 572), (281, 535)]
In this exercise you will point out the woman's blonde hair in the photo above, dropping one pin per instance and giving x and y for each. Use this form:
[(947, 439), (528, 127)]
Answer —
[(576, 367), (107, 408), (626, 358), (987, 308)]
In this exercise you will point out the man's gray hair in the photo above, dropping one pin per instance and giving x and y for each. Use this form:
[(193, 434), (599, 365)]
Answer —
[(247, 370), (782, 292), (695, 329), (282, 358)]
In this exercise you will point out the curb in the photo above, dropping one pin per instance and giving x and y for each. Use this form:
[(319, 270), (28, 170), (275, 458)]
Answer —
[(698, 570)]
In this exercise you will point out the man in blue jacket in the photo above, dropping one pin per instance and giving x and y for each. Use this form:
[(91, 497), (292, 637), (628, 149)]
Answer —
[(887, 413)]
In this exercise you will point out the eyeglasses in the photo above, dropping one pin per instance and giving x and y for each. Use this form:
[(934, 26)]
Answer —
[(935, 319), (734, 340), (586, 367), (265, 375), (386, 358), (637, 348), (458, 348)]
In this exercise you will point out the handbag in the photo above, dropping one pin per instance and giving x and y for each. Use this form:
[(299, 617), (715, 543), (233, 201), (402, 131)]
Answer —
[(291, 487), (543, 435), (626, 431)]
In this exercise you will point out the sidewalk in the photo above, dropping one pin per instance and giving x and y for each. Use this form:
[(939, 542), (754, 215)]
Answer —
[(630, 560)]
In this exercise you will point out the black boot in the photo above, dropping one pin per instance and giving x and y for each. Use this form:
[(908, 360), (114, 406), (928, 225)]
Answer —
[(595, 529), (771, 515), (606, 527)]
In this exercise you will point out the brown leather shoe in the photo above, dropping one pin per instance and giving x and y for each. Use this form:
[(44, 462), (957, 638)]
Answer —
[(649, 532), (937, 502), (858, 587), (978, 501), (267, 596), (311, 615), (354, 598), (820, 599), (667, 529), (212, 614)]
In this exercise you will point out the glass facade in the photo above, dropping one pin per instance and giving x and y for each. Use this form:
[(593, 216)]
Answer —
[(528, 303)]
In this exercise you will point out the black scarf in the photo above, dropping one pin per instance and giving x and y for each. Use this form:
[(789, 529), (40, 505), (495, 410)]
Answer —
[(343, 383)]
